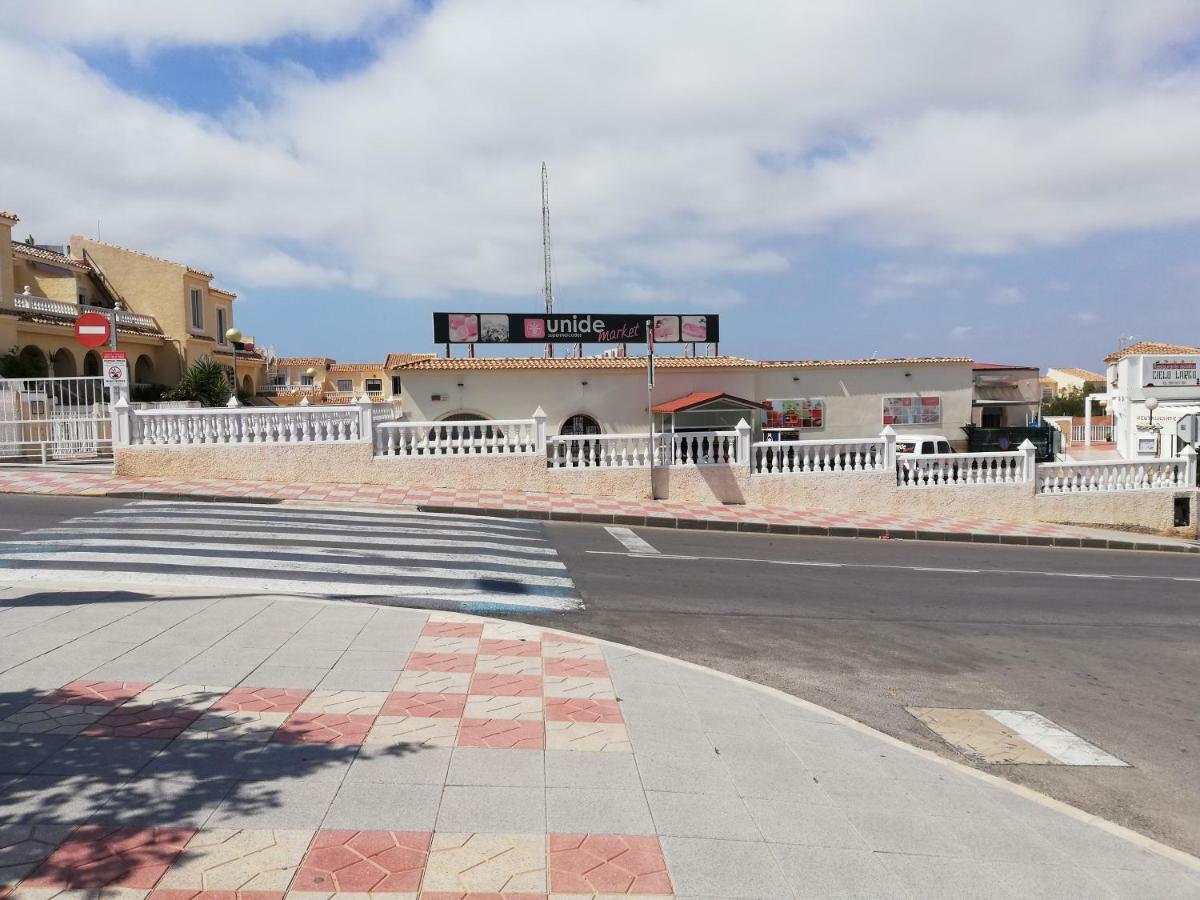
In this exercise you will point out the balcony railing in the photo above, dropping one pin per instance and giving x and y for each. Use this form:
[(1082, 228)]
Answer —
[(60, 309), (275, 390)]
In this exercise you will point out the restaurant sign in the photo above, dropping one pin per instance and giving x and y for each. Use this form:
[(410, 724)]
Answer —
[(572, 328), (1174, 371)]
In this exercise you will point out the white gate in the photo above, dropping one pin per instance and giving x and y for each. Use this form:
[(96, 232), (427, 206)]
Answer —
[(54, 420)]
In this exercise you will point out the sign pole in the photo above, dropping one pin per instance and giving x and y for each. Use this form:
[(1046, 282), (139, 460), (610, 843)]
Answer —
[(650, 396)]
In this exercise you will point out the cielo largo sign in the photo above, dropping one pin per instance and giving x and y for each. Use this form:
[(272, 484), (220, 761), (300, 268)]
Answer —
[(572, 328), (1174, 371)]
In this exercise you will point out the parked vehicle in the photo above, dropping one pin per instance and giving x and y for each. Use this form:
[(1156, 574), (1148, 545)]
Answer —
[(921, 445)]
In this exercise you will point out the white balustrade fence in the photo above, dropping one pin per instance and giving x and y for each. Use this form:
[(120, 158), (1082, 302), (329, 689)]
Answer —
[(1116, 475), (245, 425), (777, 457), (598, 451), (700, 448), (60, 309), (950, 469), (509, 437)]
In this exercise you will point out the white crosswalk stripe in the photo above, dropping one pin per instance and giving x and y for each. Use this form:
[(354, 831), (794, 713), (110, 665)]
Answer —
[(416, 558)]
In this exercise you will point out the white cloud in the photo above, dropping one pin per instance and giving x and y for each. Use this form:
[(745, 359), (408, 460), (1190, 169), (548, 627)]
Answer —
[(688, 141), (960, 333), (142, 24), (1007, 296)]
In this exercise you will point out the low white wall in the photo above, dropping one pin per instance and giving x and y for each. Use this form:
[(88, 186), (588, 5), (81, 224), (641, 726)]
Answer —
[(353, 463)]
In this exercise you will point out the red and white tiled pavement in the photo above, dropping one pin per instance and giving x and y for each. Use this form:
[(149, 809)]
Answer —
[(504, 761), (651, 512)]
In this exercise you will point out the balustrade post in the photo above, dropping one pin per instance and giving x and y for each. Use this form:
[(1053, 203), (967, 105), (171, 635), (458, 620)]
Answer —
[(539, 429), (366, 427), (1189, 466), (1030, 471), (122, 423), (743, 443), (889, 447)]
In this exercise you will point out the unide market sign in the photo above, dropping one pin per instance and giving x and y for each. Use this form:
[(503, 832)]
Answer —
[(572, 328), (1178, 371)]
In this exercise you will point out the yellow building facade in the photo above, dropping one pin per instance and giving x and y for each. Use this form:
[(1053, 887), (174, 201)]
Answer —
[(168, 315)]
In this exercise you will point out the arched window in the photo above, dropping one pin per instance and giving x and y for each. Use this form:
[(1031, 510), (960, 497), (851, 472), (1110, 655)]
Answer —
[(143, 370), (583, 452), (91, 364)]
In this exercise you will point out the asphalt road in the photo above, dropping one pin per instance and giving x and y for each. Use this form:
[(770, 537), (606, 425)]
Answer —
[(1113, 659), (868, 627)]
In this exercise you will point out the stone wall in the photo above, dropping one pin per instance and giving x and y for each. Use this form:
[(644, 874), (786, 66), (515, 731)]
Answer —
[(353, 463)]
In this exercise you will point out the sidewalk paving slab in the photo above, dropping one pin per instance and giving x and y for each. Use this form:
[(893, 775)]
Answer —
[(719, 788)]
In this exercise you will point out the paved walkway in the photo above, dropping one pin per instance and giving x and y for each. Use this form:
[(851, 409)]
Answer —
[(663, 513), (179, 746)]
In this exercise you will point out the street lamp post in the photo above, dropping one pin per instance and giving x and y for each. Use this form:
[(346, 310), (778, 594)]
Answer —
[(234, 337), (1151, 406)]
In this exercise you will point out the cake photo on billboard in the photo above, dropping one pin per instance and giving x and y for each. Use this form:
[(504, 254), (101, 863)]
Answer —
[(464, 328), (493, 328), (666, 329), (695, 329)]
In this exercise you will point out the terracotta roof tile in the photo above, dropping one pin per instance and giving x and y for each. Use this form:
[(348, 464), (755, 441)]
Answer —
[(699, 398), (1142, 348), (5, 214), (1083, 374), (213, 289), (49, 256), (68, 325), (893, 361), (192, 269), (356, 367), (305, 361), (586, 362), (396, 360)]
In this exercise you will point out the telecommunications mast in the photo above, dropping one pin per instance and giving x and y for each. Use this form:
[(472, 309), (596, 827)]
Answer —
[(547, 290)]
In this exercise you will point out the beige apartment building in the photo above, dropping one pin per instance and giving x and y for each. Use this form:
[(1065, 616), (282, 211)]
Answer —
[(167, 314)]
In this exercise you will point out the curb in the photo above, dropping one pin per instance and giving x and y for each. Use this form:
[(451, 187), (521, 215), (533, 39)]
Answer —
[(900, 534), (1022, 540), (1149, 844)]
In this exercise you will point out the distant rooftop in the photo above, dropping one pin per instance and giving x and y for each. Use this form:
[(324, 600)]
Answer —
[(1144, 348)]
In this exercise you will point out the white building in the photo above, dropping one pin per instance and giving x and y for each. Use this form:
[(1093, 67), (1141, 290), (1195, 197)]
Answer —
[(809, 398), (1168, 375)]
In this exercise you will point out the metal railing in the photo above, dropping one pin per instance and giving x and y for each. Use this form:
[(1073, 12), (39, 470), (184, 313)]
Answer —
[(54, 419), (1101, 434)]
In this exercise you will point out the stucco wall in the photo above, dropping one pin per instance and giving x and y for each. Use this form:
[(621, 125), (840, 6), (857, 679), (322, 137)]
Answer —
[(353, 463), (44, 281), (6, 262)]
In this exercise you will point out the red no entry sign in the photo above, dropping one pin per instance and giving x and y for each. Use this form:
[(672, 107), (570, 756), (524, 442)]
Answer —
[(92, 329)]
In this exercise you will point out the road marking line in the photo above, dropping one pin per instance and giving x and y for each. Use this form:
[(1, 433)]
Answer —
[(1065, 746), (829, 565), (629, 540), (170, 556), (298, 540), (268, 549), (451, 597)]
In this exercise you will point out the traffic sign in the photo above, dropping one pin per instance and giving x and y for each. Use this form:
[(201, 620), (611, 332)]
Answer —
[(1188, 429), (116, 368), (93, 329)]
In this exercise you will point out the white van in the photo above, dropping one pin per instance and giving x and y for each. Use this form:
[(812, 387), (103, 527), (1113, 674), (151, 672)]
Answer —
[(922, 445)]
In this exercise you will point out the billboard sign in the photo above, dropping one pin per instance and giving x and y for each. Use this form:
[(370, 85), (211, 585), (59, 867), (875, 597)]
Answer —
[(1173, 371), (572, 328)]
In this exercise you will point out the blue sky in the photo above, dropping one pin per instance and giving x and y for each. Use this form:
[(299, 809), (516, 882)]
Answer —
[(1012, 185)]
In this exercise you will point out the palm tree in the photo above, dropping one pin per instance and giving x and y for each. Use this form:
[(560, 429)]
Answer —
[(206, 381)]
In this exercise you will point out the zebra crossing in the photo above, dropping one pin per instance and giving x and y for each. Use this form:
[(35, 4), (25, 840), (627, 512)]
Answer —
[(420, 559)]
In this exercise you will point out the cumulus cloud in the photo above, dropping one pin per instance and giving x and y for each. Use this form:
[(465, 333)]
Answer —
[(142, 24), (686, 139)]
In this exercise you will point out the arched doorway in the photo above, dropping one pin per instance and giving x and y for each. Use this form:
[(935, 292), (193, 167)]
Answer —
[(248, 386), (143, 370), (33, 362), (582, 452), (91, 364), (62, 364)]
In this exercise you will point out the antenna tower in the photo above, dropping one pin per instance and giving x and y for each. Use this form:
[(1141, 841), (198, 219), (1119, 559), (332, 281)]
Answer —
[(547, 290)]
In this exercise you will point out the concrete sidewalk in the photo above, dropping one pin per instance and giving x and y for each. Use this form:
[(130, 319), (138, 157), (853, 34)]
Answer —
[(184, 743), (578, 508)]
